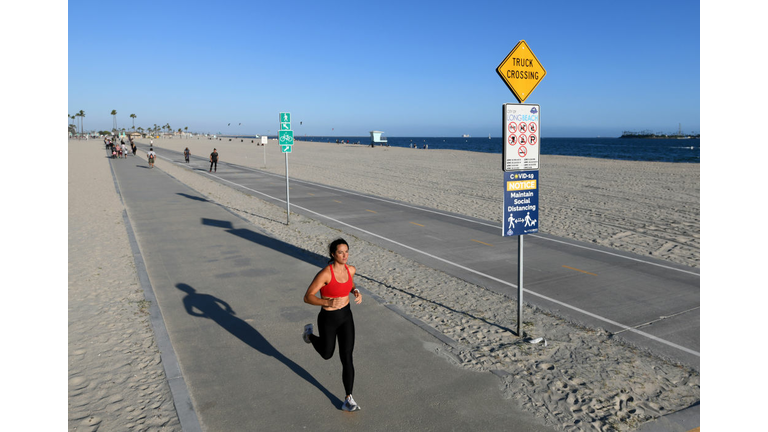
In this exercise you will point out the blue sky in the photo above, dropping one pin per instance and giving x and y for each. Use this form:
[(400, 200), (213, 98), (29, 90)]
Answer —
[(407, 68)]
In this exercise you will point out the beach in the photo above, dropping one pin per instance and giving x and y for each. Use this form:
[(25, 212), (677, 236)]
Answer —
[(581, 380), (116, 380)]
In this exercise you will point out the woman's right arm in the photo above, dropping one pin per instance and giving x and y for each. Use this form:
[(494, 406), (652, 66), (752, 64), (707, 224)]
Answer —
[(321, 279)]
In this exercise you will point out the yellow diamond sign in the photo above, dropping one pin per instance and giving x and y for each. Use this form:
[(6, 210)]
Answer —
[(521, 71)]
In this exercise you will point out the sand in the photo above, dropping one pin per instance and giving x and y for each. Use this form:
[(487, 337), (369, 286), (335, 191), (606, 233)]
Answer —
[(581, 380), (116, 380)]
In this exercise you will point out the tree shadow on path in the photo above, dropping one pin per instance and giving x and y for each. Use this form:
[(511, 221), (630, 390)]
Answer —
[(220, 312)]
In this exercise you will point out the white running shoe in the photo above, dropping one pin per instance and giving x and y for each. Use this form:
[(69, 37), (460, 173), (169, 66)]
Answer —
[(308, 330), (350, 404)]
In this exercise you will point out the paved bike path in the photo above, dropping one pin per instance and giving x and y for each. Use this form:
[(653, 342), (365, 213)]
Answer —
[(231, 300)]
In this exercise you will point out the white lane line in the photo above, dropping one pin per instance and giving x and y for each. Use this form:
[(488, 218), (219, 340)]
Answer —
[(479, 223), (598, 317)]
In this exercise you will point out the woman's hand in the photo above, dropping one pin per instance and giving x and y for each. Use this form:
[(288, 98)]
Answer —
[(336, 303), (358, 296)]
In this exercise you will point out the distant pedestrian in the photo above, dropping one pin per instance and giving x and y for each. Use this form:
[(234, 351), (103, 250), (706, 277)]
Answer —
[(151, 158), (214, 160), (125, 150), (186, 154), (335, 321)]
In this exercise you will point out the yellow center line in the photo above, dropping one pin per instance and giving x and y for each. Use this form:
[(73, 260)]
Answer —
[(370, 211), (337, 201), (311, 193), (417, 224), (478, 241), (582, 271)]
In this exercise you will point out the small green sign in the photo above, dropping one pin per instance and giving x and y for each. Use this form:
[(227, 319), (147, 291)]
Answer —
[(285, 117), (285, 126), (286, 148), (286, 137)]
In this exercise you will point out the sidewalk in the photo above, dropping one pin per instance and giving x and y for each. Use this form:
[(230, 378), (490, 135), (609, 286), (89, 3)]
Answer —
[(231, 301)]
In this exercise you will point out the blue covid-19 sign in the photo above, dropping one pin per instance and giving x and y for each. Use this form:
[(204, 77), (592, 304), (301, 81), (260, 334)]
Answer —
[(521, 203)]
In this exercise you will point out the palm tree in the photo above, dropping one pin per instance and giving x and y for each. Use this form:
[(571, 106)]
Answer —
[(114, 119), (82, 115), (133, 116)]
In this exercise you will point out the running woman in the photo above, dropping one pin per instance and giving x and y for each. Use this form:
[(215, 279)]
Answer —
[(335, 319)]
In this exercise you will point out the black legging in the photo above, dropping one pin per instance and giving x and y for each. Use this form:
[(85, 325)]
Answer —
[(213, 165), (333, 324)]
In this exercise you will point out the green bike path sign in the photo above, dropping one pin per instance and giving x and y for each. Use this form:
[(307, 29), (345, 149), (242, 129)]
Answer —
[(286, 140)]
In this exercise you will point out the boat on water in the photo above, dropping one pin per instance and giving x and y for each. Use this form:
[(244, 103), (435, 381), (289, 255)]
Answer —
[(466, 136)]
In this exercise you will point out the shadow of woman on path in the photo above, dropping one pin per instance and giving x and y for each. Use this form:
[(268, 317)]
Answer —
[(208, 306)]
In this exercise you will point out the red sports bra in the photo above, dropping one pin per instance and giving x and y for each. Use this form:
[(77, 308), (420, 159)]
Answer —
[(335, 288)]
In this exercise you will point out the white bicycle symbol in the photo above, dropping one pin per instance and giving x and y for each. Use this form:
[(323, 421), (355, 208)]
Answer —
[(285, 139)]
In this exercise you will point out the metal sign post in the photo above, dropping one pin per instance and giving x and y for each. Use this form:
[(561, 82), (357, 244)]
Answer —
[(263, 143), (520, 286), (521, 216), (285, 136), (287, 192)]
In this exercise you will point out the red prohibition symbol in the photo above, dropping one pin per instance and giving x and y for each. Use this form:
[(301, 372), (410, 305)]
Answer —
[(522, 140), (512, 140), (532, 127), (522, 151), (523, 127), (532, 140), (512, 127)]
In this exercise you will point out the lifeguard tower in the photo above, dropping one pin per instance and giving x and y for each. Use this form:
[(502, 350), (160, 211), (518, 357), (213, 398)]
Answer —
[(376, 138)]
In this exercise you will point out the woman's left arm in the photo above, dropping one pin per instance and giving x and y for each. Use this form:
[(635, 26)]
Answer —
[(355, 291)]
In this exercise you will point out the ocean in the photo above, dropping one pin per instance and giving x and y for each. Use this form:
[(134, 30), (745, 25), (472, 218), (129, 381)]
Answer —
[(635, 149)]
